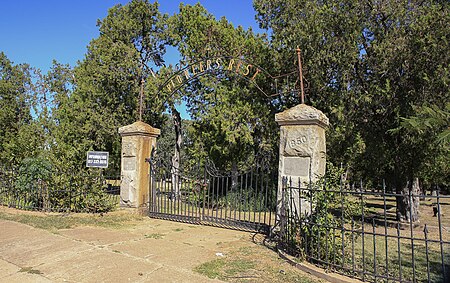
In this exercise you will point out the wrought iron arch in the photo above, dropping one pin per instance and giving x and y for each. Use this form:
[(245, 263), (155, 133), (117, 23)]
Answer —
[(226, 68)]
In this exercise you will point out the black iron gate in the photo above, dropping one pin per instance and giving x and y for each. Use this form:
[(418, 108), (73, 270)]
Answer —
[(200, 194)]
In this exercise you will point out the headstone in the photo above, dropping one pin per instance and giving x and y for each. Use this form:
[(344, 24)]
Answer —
[(138, 140), (302, 151)]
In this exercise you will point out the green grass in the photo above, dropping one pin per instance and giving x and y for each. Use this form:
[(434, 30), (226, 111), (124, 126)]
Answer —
[(55, 222), (224, 268), (212, 269), (237, 266), (400, 261), (253, 263), (386, 256), (154, 236)]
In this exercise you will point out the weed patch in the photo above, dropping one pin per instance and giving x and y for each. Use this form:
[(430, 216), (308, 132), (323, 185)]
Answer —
[(30, 270), (252, 264), (154, 236)]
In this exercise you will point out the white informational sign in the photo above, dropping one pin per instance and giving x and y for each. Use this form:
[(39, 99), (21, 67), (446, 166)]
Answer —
[(97, 159)]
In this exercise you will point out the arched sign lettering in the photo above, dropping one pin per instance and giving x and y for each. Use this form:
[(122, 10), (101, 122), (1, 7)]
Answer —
[(235, 65)]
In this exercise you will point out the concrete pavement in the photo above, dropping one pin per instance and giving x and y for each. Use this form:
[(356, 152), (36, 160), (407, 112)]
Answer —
[(152, 251)]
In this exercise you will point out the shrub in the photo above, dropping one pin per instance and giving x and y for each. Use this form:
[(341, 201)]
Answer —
[(319, 235)]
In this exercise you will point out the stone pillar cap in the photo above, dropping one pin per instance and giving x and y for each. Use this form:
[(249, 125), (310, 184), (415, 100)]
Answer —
[(139, 128), (302, 114)]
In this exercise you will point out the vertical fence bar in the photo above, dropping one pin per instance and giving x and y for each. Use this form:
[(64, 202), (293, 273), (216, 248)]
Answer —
[(425, 233), (374, 250), (283, 212), (158, 187), (271, 200), (327, 229), (251, 194), (208, 191), (240, 196), (188, 194), (300, 212), (341, 195), (246, 187), (255, 189), (225, 199), (177, 192), (152, 186), (211, 196), (204, 190), (171, 193), (215, 193), (444, 273), (306, 244), (219, 189), (386, 234), (162, 192), (318, 238), (289, 212), (334, 244), (264, 196), (399, 252), (166, 192), (184, 196), (411, 229), (362, 233), (310, 222), (261, 208), (237, 196), (353, 246)]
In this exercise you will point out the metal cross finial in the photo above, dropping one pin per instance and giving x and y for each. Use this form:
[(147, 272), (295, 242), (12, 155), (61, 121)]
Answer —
[(300, 74)]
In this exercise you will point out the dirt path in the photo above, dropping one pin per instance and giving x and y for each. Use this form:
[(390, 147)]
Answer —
[(149, 250)]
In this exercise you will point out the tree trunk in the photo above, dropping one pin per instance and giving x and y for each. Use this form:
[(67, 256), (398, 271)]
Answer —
[(176, 153), (408, 202)]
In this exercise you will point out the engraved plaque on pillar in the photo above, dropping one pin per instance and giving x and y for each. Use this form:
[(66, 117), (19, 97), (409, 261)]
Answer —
[(129, 163), (129, 149), (296, 166)]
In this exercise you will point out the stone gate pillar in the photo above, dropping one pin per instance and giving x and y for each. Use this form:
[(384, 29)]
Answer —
[(302, 149), (138, 140)]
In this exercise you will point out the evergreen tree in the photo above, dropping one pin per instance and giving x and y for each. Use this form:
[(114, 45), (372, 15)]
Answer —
[(16, 123), (232, 119), (368, 65), (108, 83)]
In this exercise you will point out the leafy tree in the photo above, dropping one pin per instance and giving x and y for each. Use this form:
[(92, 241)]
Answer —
[(108, 83), (232, 119), (369, 64), (431, 126), (16, 124)]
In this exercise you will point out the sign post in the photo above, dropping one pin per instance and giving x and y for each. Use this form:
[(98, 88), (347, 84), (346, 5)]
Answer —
[(97, 159)]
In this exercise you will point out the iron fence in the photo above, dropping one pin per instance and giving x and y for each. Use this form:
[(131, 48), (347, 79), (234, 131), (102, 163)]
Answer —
[(201, 194), (59, 192), (355, 232)]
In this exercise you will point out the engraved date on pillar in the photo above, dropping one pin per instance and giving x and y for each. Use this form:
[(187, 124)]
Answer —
[(297, 141)]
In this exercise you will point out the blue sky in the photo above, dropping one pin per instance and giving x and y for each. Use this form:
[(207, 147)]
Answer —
[(36, 32)]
